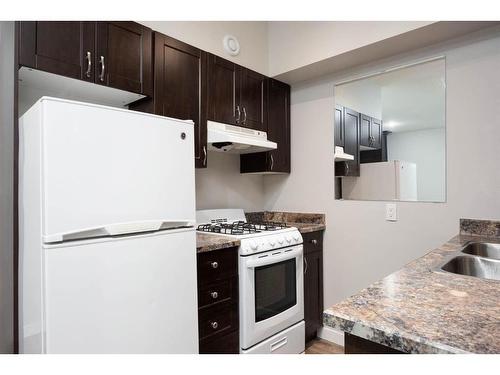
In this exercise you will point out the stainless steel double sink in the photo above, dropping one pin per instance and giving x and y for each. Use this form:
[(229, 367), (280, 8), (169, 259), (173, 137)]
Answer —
[(476, 259)]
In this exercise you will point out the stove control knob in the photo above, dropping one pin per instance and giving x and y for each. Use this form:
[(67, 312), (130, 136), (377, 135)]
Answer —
[(254, 245), (272, 243), (296, 238), (280, 240), (288, 239)]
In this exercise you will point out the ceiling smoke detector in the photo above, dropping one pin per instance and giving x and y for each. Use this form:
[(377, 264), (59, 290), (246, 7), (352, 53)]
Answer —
[(231, 45)]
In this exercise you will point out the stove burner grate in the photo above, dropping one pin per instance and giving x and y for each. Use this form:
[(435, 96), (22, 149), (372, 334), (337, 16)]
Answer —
[(241, 227)]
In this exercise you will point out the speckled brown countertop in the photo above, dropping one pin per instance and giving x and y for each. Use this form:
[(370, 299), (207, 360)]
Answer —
[(209, 242), (420, 310), (304, 222)]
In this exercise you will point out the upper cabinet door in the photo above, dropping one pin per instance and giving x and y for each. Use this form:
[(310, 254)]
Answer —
[(123, 56), (223, 91), (63, 48), (350, 124), (253, 100), (365, 124), (339, 126), (376, 133), (278, 129), (180, 89)]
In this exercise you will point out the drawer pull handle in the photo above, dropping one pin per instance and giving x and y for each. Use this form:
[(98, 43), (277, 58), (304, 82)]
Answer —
[(214, 295), (214, 264), (314, 242), (214, 325)]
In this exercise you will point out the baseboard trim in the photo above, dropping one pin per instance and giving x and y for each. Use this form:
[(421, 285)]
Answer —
[(332, 335)]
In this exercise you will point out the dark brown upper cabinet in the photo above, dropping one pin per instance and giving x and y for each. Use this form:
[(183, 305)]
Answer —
[(376, 133), (370, 132), (64, 48), (223, 91), (350, 126), (365, 124), (236, 95), (180, 89), (123, 56), (278, 130), (116, 54), (253, 99), (339, 126)]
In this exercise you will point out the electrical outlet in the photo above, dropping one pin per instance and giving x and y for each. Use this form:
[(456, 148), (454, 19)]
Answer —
[(391, 212)]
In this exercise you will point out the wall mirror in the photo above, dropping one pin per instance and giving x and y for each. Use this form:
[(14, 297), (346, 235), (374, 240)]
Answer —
[(390, 135)]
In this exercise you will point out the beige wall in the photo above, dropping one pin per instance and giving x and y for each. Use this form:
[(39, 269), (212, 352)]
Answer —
[(6, 185), (360, 246), (221, 185), (296, 44), (208, 35)]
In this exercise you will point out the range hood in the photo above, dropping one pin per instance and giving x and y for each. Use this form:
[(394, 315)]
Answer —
[(236, 140), (340, 155)]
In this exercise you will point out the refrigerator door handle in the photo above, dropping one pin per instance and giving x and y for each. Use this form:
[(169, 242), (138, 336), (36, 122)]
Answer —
[(118, 229)]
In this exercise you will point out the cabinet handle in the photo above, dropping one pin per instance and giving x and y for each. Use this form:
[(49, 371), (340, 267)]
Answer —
[(204, 156), (214, 325), (239, 114), (314, 241), (214, 295), (305, 265), (244, 115), (272, 162), (214, 264), (103, 68), (347, 166), (89, 64)]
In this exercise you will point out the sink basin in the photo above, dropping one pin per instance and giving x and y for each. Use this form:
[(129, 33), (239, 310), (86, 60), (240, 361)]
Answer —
[(483, 249), (474, 266)]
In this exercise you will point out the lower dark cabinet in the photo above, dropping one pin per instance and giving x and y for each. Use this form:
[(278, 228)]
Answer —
[(313, 283), (218, 313), (358, 345)]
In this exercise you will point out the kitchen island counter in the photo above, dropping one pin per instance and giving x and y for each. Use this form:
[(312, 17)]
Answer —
[(421, 310)]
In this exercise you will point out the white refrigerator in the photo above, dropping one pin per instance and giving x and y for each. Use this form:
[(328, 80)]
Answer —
[(107, 238), (388, 180)]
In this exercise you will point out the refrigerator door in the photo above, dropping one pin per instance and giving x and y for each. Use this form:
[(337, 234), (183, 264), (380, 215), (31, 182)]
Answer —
[(133, 294), (113, 171)]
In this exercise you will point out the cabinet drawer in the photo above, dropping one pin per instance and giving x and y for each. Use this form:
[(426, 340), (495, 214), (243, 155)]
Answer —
[(227, 344), (217, 265), (217, 320), (313, 241), (221, 291)]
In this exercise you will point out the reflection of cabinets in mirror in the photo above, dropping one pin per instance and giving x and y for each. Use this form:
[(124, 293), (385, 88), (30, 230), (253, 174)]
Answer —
[(370, 132), (346, 134)]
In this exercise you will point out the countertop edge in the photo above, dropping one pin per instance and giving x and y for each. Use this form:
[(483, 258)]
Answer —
[(405, 343)]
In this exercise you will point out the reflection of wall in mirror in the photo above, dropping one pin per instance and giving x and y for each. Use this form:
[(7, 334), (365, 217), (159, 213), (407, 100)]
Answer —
[(387, 181)]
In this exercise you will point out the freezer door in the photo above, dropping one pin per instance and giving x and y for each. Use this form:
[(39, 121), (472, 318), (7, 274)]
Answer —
[(126, 295), (104, 166)]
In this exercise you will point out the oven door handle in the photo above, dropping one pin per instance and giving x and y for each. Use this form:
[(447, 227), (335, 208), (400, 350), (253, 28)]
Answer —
[(270, 259)]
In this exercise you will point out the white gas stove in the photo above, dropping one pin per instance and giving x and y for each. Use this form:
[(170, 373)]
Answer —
[(255, 237), (270, 280)]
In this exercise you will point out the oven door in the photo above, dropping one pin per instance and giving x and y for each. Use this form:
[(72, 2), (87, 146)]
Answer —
[(271, 293)]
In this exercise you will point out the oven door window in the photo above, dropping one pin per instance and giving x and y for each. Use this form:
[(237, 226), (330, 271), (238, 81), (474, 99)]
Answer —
[(275, 289)]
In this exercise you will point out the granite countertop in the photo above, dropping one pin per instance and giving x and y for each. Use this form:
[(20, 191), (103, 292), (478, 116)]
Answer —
[(209, 242), (304, 222), (419, 310)]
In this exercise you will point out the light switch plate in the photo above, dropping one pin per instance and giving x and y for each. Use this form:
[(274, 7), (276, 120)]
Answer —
[(391, 212)]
